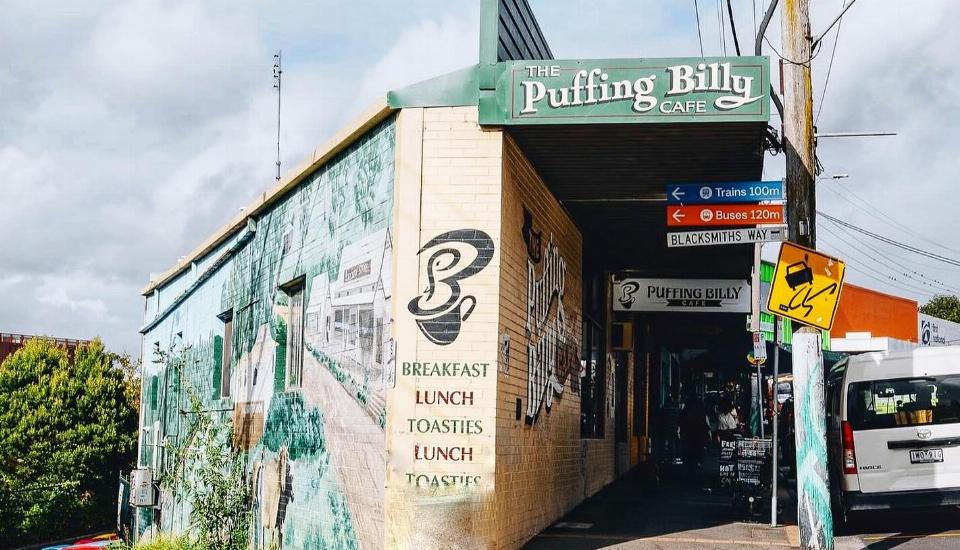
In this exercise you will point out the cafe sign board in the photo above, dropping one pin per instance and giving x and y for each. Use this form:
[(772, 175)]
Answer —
[(698, 89), (682, 295)]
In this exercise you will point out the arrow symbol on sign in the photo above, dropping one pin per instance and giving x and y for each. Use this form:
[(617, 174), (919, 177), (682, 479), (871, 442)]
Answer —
[(677, 194), (677, 216)]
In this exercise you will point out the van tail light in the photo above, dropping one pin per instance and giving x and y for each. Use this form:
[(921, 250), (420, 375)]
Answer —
[(849, 453)]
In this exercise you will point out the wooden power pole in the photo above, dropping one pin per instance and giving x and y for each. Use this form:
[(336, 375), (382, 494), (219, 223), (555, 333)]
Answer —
[(814, 518), (798, 123)]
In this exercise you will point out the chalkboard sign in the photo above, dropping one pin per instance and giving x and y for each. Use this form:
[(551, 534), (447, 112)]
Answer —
[(753, 463), (728, 460)]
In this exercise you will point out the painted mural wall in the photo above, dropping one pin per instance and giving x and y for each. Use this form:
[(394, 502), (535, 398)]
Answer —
[(307, 407)]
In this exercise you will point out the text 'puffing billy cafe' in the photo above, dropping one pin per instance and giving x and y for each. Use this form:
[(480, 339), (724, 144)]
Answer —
[(633, 90)]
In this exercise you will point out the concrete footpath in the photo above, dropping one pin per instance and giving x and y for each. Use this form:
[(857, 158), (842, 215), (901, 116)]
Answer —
[(637, 512)]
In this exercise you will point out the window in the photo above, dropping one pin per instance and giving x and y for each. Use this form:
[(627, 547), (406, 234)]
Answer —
[(901, 402), (593, 382), (366, 334), (353, 330), (378, 342), (338, 324), (226, 353), (295, 321)]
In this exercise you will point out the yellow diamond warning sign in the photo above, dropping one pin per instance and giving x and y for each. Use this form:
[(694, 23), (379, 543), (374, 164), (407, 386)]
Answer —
[(806, 286)]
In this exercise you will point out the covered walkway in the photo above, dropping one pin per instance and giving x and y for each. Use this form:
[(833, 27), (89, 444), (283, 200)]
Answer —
[(638, 512)]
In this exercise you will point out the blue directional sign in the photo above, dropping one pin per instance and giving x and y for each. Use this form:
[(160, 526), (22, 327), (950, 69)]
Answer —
[(725, 192)]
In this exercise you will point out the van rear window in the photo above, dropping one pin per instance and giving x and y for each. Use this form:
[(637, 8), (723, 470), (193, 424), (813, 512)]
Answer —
[(902, 402)]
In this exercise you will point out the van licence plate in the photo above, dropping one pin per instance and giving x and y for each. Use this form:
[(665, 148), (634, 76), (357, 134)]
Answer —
[(926, 456)]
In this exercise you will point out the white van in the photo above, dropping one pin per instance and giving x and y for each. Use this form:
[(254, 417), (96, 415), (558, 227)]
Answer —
[(893, 430)]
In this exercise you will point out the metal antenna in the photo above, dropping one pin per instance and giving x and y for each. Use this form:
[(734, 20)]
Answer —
[(277, 74)]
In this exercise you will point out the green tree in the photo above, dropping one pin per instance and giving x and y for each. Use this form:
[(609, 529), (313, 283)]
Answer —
[(943, 307), (67, 429)]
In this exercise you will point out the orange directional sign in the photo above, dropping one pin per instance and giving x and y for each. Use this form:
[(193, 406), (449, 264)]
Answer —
[(725, 214), (806, 286)]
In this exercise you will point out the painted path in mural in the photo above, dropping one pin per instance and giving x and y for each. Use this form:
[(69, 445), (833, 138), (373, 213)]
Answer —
[(356, 446)]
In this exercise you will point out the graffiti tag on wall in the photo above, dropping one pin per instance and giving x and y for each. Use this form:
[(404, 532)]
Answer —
[(443, 307), (552, 354)]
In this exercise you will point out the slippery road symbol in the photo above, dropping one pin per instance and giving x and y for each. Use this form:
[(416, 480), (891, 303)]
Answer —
[(806, 286), (800, 279)]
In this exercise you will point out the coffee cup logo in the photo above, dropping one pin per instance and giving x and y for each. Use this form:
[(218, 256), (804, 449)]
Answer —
[(627, 291), (439, 319)]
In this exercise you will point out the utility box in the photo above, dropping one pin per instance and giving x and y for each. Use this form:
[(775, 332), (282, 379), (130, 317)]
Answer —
[(141, 487)]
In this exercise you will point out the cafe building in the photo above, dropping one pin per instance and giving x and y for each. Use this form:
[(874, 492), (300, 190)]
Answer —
[(460, 317)]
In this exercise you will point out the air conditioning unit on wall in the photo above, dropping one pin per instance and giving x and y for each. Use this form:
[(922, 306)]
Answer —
[(141, 487)]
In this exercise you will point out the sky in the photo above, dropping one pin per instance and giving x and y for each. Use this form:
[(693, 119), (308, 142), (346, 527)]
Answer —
[(132, 130)]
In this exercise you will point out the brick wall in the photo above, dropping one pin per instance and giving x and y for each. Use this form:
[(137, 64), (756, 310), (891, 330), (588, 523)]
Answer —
[(448, 188), (543, 468)]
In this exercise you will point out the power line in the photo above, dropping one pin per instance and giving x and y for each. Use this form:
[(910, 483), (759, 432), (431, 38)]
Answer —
[(696, 7), (865, 211), (888, 240), (926, 295), (733, 26), (944, 286), (721, 33), (890, 221), (813, 55), (923, 279), (889, 281), (884, 278), (826, 80), (856, 252)]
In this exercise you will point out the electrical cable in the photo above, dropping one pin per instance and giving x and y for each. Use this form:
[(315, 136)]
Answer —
[(859, 266), (888, 257), (854, 252), (826, 80), (890, 282), (889, 220), (923, 279), (696, 7), (813, 54), (720, 28), (733, 26), (869, 213), (888, 240)]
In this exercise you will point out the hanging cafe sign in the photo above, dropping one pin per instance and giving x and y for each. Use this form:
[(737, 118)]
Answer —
[(700, 89), (682, 295)]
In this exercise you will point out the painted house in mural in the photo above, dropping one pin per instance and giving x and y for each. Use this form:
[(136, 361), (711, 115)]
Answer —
[(413, 338)]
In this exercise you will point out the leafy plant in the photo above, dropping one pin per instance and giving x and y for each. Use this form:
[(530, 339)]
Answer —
[(943, 307), (206, 472), (67, 429), (289, 423)]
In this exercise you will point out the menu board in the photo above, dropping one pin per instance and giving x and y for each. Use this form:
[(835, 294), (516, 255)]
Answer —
[(753, 458), (728, 460)]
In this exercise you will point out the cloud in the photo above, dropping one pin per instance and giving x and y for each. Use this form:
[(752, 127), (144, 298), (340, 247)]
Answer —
[(130, 131), (439, 45)]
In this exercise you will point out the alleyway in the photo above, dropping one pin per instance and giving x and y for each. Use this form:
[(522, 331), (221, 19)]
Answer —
[(636, 513)]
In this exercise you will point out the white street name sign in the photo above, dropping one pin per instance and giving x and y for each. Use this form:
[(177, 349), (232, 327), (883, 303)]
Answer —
[(727, 236)]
